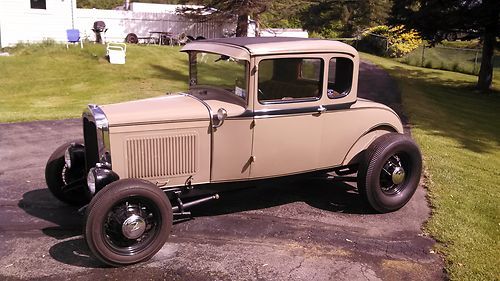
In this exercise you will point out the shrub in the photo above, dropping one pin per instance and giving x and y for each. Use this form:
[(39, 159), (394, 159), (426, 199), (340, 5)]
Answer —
[(393, 41)]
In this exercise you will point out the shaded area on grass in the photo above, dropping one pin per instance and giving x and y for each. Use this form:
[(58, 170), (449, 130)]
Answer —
[(452, 109)]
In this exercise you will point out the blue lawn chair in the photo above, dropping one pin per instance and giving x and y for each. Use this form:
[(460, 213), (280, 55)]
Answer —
[(73, 37)]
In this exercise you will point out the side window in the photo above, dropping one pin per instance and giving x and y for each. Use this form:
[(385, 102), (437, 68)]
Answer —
[(290, 80), (339, 77), (38, 4)]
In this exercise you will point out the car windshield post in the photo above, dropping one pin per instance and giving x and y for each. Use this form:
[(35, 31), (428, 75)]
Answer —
[(193, 72)]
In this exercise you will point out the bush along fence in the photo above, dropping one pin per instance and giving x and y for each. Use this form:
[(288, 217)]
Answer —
[(407, 47)]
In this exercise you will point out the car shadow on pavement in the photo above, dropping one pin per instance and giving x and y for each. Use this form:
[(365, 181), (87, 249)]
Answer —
[(319, 193), (76, 253), (65, 225), (66, 222)]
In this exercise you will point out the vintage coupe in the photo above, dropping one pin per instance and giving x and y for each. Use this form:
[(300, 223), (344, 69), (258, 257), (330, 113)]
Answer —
[(256, 108)]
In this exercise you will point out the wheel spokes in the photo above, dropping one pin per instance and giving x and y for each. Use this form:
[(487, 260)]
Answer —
[(130, 226)]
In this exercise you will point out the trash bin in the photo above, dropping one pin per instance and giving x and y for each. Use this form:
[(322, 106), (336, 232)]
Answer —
[(116, 52)]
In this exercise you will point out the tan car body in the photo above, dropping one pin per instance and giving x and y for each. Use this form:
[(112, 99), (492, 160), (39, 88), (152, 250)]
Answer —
[(257, 108), (171, 140)]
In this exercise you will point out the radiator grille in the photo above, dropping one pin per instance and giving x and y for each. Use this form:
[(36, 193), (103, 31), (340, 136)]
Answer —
[(162, 156)]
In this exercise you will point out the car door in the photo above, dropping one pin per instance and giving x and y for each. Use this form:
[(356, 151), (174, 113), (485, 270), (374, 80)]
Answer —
[(287, 115)]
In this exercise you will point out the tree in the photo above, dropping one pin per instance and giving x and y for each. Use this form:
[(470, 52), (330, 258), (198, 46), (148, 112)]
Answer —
[(345, 17), (242, 9), (449, 19), (284, 13)]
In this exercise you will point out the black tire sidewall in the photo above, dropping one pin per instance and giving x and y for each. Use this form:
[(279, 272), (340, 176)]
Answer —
[(53, 177), (102, 203), (378, 154)]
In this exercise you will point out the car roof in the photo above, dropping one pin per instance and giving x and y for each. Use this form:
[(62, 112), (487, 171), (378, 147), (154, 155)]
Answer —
[(244, 47)]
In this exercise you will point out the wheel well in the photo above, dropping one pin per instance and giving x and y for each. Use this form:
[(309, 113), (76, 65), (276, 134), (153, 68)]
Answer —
[(358, 148)]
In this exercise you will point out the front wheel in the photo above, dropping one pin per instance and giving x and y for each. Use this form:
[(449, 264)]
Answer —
[(67, 183), (389, 174), (128, 222)]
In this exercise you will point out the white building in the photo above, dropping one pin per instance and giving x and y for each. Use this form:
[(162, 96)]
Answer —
[(35, 20)]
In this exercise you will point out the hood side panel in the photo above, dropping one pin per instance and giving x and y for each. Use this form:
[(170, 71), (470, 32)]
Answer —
[(171, 108), (164, 153)]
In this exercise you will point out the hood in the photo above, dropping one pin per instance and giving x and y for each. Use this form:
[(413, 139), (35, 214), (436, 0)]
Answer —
[(176, 107)]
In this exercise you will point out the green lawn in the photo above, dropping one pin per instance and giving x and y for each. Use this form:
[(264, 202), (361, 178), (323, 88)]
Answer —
[(458, 131), (46, 81)]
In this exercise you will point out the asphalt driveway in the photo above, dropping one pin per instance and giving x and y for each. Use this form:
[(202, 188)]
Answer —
[(308, 230)]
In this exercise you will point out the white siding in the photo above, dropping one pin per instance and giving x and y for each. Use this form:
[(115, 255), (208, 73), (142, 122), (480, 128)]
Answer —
[(18, 22)]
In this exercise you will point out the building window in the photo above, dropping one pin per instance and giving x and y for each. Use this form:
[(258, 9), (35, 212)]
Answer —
[(38, 4)]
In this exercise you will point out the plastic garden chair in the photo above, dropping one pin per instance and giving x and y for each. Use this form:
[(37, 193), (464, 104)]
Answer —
[(73, 37)]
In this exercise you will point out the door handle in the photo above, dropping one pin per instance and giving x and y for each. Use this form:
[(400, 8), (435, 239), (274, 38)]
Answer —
[(321, 109)]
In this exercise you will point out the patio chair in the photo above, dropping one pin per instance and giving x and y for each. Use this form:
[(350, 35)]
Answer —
[(73, 37)]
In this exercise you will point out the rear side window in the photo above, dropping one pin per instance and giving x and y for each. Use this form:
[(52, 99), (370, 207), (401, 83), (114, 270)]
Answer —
[(339, 77), (290, 80)]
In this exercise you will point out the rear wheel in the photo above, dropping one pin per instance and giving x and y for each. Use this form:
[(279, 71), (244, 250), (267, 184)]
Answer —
[(390, 172), (128, 222), (66, 184)]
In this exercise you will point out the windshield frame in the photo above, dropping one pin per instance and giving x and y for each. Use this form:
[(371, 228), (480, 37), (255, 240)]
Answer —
[(193, 74)]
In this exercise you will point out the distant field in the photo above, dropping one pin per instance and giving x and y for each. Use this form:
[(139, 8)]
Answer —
[(458, 131), (448, 58), (46, 81)]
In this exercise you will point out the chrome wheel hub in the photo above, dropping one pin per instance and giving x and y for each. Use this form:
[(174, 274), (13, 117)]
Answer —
[(133, 227), (392, 176), (398, 175)]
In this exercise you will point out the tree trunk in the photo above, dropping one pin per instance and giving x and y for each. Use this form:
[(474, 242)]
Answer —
[(242, 26), (486, 70), (490, 31)]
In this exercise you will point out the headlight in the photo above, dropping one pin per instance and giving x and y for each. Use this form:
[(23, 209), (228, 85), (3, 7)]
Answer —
[(99, 177), (91, 181), (67, 157)]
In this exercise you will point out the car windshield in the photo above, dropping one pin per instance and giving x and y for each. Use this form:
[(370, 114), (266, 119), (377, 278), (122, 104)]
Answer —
[(219, 71)]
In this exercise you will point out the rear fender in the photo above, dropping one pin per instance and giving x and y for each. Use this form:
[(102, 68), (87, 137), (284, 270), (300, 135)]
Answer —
[(359, 147)]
